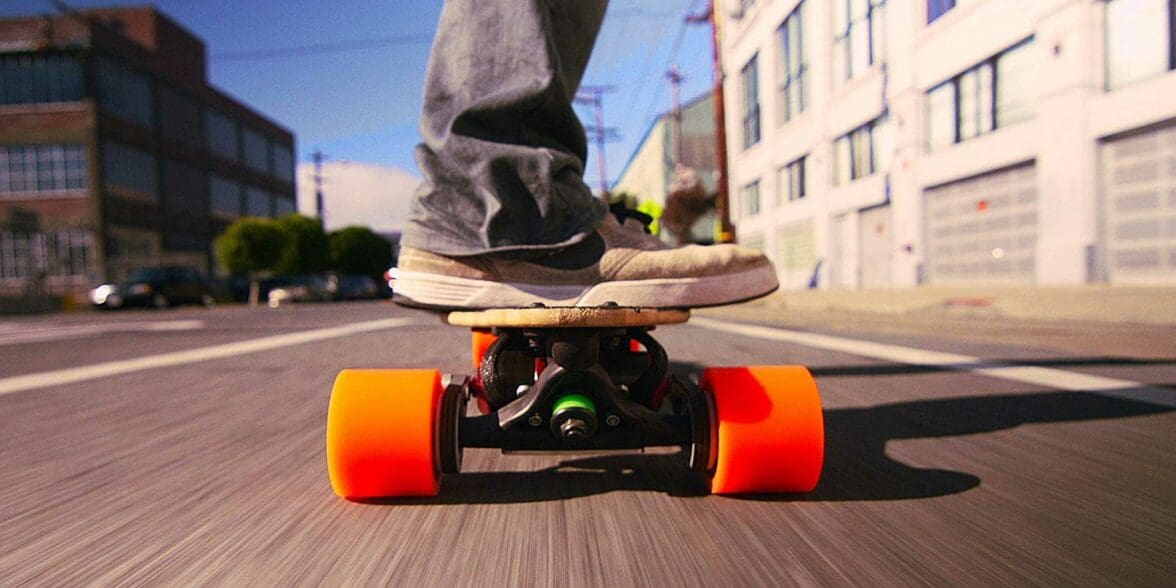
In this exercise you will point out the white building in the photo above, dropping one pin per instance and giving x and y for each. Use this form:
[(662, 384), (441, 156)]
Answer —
[(889, 143)]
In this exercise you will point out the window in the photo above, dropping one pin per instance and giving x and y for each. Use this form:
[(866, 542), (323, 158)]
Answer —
[(257, 155), (793, 97), (749, 196), (937, 8), (751, 108), (792, 181), (862, 151), (129, 169), (989, 96), (60, 254), (221, 135), (224, 196), (40, 79), (183, 189), (1139, 40), (859, 36), (283, 163), (125, 93), (179, 117), (31, 171), (257, 202)]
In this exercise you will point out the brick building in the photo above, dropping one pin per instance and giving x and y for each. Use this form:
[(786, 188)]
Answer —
[(116, 153)]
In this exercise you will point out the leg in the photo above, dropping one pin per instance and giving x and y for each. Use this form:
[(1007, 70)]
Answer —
[(503, 152)]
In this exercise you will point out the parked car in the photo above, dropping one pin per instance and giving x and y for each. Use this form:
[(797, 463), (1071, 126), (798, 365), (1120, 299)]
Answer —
[(315, 288), (356, 287), (159, 287)]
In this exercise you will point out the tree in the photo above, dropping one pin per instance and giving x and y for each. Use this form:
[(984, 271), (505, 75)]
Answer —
[(305, 250), (251, 246), (357, 250)]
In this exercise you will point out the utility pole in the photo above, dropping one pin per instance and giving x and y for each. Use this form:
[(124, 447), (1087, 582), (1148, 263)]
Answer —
[(318, 186), (723, 201), (594, 96), (675, 76)]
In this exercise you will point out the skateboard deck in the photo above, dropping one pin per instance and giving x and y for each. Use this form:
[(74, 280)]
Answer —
[(573, 378), (568, 317)]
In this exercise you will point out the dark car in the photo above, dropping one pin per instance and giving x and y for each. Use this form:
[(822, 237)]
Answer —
[(159, 287)]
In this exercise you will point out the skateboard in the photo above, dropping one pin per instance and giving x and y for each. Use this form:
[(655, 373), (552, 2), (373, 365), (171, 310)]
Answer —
[(567, 379)]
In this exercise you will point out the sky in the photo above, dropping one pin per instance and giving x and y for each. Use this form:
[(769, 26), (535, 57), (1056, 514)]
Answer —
[(362, 105)]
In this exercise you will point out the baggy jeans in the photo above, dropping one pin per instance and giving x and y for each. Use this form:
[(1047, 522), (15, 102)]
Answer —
[(503, 152)]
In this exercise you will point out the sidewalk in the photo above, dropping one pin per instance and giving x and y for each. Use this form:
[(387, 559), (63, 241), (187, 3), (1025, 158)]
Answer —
[(1095, 304)]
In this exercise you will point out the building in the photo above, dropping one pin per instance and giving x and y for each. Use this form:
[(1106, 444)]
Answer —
[(891, 143), (650, 170), (115, 152)]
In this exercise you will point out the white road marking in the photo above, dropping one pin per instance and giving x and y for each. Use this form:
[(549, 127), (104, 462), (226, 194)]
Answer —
[(1038, 376), (113, 368), (11, 334)]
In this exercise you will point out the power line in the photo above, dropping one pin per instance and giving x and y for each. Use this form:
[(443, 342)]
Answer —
[(324, 48)]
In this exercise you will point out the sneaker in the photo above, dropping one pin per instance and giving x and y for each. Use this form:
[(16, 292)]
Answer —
[(618, 263)]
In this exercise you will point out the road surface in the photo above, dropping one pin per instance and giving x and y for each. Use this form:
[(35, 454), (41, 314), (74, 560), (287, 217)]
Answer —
[(186, 447)]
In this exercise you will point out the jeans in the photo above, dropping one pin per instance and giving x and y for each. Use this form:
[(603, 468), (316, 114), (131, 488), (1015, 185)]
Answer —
[(503, 152)]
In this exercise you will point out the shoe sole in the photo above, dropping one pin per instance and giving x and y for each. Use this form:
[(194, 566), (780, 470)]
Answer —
[(445, 292)]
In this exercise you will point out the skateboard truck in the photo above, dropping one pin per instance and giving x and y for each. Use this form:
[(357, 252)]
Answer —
[(552, 379)]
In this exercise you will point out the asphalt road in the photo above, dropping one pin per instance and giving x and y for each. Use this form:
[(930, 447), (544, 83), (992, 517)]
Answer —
[(208, 468)]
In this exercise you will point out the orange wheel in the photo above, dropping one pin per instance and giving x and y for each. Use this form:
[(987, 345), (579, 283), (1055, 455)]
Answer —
[(382, 437), (482, 340), (771, 432)]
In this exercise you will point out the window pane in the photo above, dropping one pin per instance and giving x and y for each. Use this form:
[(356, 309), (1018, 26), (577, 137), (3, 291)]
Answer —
[(257, 202), (968, 106), (221, 136), (1137, 40), (941, 116), (256, 151), (128, 168), (861, 153), (883, 144), (878, 34), (125, 93), (39, 79), (283, 163), (53, 170), (841, 161), (224, 196), (985, 98), (1014, 84), (937, 8)]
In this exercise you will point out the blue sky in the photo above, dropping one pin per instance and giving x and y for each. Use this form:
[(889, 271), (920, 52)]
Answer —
[(363, 105)]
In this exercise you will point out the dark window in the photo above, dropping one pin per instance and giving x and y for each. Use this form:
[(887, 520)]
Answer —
[(40, 79), (224, 196), (937, 8), (257, 155), (258, 202), (222, 136), (751, 107), (283, 163), (125, 93), (130, 169), (793, 97)]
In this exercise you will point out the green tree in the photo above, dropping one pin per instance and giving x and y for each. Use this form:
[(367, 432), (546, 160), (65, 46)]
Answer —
[(251, 246), (357, 250), (305, 250)]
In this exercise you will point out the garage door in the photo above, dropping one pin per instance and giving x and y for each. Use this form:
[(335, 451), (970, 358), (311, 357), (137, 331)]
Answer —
[(1139, 207), (983, 230)]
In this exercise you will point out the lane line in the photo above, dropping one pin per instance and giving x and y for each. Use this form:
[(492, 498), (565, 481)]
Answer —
[(113, 368), (44, 333), (1038, 376)]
